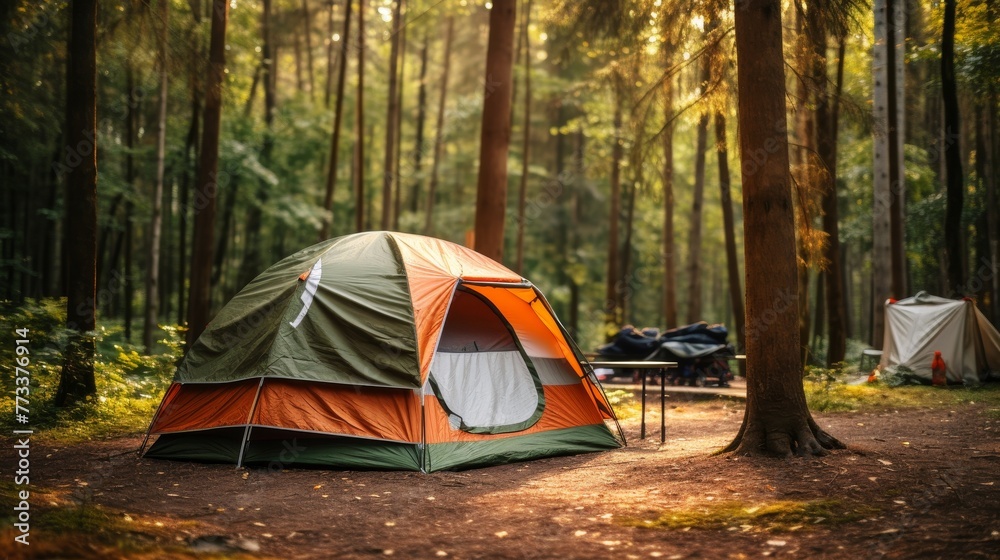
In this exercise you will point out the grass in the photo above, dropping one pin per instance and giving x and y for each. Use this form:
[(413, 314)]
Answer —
[(130, 383), (777, 516), (833, 397)]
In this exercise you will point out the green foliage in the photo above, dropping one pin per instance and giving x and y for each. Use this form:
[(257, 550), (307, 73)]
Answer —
[(130, 384), (626, 406), (777, 516), (835, 391)]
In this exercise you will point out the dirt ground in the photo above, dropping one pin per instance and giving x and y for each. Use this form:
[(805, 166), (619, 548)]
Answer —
[(913, 484)]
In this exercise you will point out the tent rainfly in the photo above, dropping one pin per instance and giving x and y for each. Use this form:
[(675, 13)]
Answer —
[(917, 326), (383, 350)]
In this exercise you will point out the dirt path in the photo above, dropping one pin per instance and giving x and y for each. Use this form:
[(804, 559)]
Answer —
[(931, 489)]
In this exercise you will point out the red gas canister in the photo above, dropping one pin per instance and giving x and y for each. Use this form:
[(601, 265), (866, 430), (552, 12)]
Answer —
[(938, 370)]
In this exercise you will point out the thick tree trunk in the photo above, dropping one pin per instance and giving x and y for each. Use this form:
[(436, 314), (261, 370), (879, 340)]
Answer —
[(954, 234), (418, 140), (729, 226), (522, 191), (206, 188), (439, 132), (397, 166), (388, 174), (776, 420), (76, 382), (491, 187), (359, 127), (331, 174)]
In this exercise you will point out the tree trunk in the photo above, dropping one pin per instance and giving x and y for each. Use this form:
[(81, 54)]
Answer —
[(954, 234), (359, 127), (776, 420), (895, 172), (575, 211), (491, 187), (200, 300), (439, 133), (729, 225), (331, 174), (669, 270), (76, 381), (885, 190), (397, 166), (388, 174), (131, 132), (307, 31), (612, 303), (329, 53), (252, 262), (418, 142), (694, 237), (826, 147), (522, 194)]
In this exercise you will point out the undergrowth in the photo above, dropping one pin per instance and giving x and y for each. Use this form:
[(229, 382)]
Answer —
[(130, 383)]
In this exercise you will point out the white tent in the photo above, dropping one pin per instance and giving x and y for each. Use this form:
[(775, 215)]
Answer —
[(918, 326)]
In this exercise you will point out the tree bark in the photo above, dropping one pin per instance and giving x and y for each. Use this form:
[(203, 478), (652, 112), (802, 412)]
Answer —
[(895, 171), (694, 236), (418, 141), (491, 187), (397, 166), (522, 194), (307, 31), (612, 303), (388, 174), (884, 190), (200, 299), (359, 127), (331, 174), (954, 234), (76, 381), (669, 267), (729, 225), (826, 148), (776, 420), (439, 132)]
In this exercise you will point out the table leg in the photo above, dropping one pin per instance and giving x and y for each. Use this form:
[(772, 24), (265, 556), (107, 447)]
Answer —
[(663, 398), (642, 429)]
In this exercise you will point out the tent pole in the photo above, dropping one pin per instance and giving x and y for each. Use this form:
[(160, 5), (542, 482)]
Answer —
[(246, 433), (156, 415), (423, 433)]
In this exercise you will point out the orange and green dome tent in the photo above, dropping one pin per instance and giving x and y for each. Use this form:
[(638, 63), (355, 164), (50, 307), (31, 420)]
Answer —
[(383, 350)]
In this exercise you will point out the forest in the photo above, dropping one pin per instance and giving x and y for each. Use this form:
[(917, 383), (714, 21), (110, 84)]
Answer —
[(788, 169), (623, 179)]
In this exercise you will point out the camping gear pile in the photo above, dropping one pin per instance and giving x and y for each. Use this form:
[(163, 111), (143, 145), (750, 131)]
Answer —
[(700, 350), (383, 350), (918, 327)]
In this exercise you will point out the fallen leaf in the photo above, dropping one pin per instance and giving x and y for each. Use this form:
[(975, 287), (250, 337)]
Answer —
[(431, 498), (390, 523), (776, 542), (317, 487), (873, 478), (501, 534), (441, 553), (579, 533), (246, 475), (884, 462), (259, 524)]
